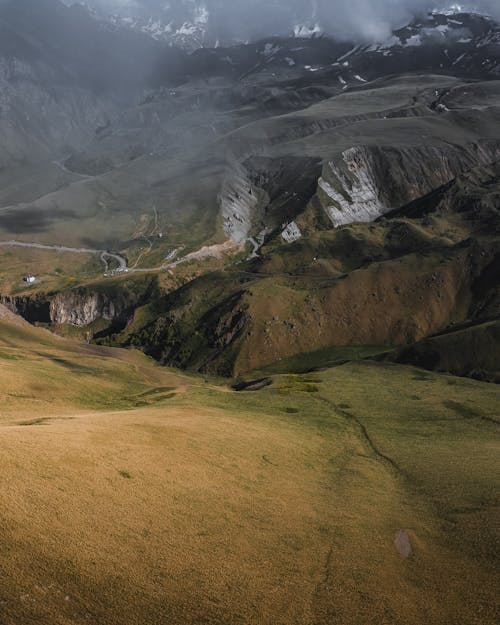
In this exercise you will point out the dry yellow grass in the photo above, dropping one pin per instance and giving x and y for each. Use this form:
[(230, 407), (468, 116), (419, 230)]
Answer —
[(43, 375), (278, 507)]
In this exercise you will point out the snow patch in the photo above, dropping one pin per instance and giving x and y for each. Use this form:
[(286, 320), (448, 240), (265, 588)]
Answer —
[(303, 31)]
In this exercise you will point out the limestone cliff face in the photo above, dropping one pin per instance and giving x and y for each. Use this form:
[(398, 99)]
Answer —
[(265, 193), (83, 306), (77, 308), (238, 200), (365, 183), (81, 309)]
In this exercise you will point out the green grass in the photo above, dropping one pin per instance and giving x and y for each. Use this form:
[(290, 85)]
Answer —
[(41, 372), (322, 358)]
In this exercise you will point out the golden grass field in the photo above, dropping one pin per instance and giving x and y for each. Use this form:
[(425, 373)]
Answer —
[(135, 495)]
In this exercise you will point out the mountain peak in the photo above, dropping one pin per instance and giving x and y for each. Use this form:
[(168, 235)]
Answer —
[(193, 24)]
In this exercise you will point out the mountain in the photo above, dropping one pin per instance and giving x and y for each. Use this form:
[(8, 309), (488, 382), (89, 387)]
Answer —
[(62, 76), (228, 179), (193, 24)]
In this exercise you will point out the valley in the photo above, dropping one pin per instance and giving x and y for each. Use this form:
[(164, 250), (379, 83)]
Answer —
[(264, 195)]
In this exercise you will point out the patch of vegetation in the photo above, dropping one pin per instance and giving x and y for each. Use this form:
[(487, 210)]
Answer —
[(4, 355), (39, 421), (158, 391), (324, 358)]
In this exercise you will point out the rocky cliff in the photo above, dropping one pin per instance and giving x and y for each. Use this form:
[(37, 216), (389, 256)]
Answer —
[(365, 183), (111, 302), (83, 308)]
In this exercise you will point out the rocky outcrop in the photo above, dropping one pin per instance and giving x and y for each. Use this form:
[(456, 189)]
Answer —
[(266, 194), (77, 308), (291, 233), (81, 307), (365, 183), (237, 200)]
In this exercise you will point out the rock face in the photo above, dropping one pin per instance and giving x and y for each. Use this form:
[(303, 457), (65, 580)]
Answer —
[(238, 200), (291, 233), (265, 193), (75, 308), (366, 183), (82, 309)]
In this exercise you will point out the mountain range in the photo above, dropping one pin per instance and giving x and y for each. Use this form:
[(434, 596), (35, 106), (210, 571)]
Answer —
[(244, 170), (193, 24)]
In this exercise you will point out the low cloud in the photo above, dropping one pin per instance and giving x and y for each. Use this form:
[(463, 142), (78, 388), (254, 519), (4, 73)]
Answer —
[(345, 19)]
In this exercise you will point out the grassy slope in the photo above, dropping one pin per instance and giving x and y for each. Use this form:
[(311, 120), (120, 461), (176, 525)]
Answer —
[(472, 351), (208, 506), (42, 375)]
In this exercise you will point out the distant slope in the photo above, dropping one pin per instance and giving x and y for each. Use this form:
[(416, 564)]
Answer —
[(471, 351), (393, 282)]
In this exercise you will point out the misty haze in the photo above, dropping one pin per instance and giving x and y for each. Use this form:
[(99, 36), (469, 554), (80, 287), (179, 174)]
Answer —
[(249, 312)]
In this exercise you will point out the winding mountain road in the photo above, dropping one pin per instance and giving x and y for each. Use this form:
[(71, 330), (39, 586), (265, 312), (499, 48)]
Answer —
[(104, 255)]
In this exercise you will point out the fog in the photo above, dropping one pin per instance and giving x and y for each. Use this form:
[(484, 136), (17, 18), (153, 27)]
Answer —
[(248, 19)]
